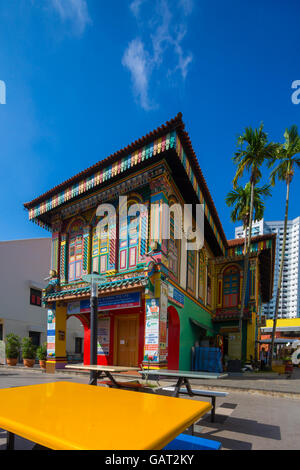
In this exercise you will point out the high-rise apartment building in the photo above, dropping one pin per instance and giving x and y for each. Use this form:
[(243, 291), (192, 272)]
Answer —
[(289, 304)]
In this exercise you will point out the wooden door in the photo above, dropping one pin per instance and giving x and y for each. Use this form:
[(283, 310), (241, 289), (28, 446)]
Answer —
[(126, 340)]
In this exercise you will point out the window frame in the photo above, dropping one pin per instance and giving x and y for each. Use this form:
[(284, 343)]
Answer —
[(36, 290)]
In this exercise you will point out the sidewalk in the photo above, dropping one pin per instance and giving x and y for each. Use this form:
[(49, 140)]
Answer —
[(269, 383)]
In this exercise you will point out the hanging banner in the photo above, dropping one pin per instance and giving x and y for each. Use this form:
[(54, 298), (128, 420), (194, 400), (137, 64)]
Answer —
[(51, 333), (151, 351), (103, 339)]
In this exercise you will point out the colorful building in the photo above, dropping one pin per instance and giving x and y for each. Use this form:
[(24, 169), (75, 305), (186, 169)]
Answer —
[(157, 298)]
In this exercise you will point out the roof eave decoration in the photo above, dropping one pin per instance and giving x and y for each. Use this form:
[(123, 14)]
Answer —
[(169, 136)]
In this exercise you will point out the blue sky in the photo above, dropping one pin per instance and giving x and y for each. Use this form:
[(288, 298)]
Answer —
[(85, 78)]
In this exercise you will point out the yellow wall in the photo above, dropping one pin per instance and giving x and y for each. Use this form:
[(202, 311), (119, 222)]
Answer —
[(251, 337), (284, 322), (60, 329)]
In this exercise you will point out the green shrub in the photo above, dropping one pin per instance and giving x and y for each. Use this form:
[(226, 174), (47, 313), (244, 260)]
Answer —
[(28, 349), (41, 352), (12, 346)]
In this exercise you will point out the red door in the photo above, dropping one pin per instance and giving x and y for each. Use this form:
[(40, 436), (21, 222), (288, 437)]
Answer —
[(173, 338)]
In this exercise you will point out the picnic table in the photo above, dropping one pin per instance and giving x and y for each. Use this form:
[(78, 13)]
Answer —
[(101, 372), (73, 416), (182, 377)]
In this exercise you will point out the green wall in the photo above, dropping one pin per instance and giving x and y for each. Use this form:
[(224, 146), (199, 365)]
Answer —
[(189, 333)]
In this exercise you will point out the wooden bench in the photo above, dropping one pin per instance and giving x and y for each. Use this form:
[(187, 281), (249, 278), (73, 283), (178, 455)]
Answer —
[(132, 385), (202, 393), (187, 442)]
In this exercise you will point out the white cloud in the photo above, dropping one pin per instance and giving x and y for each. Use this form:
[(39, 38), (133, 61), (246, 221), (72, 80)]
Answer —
[(135, 7), (187, 6), (165, 30), (137, 61), (74, 11)]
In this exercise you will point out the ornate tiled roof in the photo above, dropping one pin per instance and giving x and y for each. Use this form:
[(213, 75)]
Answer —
[(171, 135), (256, 239), (107, 287)]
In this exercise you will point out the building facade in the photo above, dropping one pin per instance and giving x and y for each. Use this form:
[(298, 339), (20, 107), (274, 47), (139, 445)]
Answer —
[(157, 298), (24, 267), (289, 304)]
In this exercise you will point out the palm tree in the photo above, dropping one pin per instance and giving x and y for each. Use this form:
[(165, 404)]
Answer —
[(240, 199), (285, 162), (257, 150)]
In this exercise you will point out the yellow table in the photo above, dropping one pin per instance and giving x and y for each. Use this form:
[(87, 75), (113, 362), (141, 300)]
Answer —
[(72, 416)]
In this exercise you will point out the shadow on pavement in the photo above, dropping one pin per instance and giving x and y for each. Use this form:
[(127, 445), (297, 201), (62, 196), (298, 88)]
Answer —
[(241, 426)]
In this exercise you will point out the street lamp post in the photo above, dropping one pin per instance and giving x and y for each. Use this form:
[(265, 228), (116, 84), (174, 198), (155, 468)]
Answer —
[(94, 280)]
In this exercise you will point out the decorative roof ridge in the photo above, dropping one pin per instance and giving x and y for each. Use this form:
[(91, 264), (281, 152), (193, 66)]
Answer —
[(257, 238), (172, 124)]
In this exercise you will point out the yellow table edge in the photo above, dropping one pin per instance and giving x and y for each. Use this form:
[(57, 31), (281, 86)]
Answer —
[(54, 443)]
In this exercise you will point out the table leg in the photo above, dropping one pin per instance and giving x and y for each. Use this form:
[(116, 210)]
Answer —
[(111, 378), (94, 376), (10, 441), (177, 387), (188, 387), (213, 411)]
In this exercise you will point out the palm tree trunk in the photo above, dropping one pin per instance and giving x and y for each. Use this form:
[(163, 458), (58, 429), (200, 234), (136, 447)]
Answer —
[(280, 270), (245, 242), (246, 263)]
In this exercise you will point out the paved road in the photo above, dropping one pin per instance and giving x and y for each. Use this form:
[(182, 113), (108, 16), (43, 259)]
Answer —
[(243, 420)]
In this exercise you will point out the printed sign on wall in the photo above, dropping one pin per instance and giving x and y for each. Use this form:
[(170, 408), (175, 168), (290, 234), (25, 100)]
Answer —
[(113, 302), (73, 308), (51, 333), (151, 352), (176, 296)]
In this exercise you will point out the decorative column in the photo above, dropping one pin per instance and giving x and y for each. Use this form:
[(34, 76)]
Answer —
[(56, 337), (86, 263), (155, 349), (64, 258)]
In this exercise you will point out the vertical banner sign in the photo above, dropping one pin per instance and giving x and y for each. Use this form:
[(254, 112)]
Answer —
[(151, 353), (103, 338), (163, 321), (51, 333)]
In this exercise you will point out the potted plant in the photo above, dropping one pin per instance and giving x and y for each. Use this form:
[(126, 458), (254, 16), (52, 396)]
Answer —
[(41, 353), (28, 352), (12, 349)]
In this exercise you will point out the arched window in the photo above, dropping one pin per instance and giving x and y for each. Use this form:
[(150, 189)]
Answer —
[(231, 283), (75, 250)]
